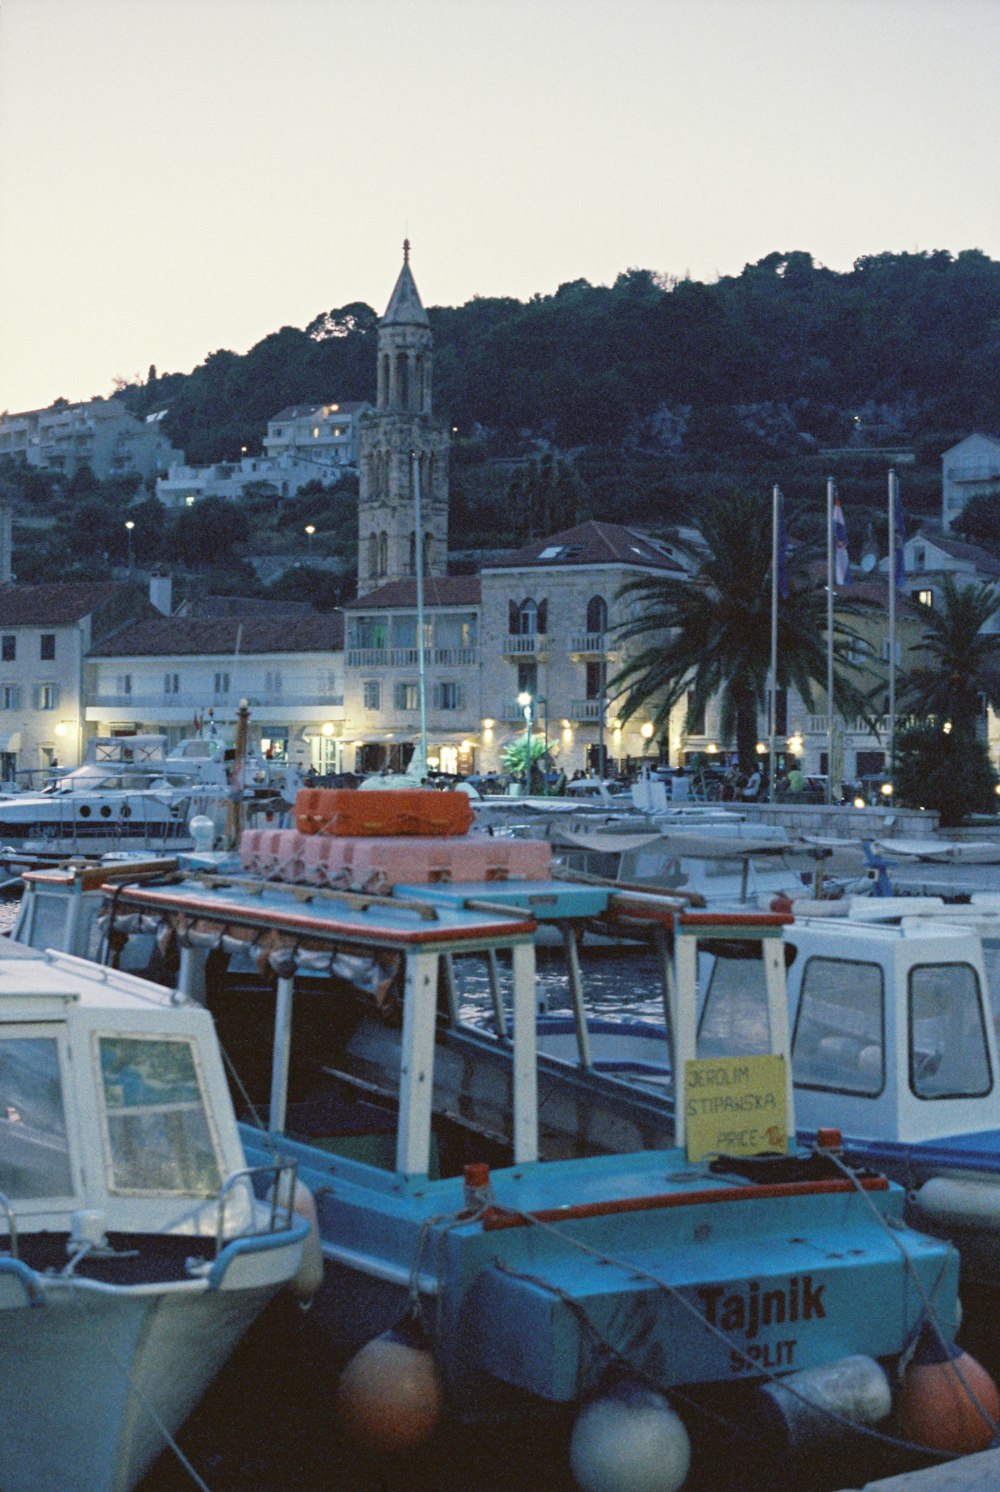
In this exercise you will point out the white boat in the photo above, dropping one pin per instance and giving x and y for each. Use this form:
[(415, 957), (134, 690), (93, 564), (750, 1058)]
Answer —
[(133, 1252), (131, 793)]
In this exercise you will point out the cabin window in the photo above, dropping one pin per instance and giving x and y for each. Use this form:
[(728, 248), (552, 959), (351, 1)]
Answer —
[(839, 1040), (157, 1133), (34, 1151), (734, 1015), (948, 1052)]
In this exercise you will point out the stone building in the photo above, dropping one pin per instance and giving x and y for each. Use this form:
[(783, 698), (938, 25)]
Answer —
[(403, 450)]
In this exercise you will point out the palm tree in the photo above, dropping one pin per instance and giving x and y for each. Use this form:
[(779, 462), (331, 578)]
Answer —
[(709, 634), (964, 661)]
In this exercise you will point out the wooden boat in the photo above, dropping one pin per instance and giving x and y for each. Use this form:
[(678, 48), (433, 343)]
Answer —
[(134, 1253), (528, 1227)]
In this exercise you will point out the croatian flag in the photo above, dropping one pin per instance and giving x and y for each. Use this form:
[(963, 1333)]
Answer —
[(841, 563)]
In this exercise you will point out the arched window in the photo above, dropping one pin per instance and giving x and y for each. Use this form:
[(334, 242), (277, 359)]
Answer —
[(402, 381), (372, 554), (420, 384), (597, 614), (527, 618), (383, 553), (383, 379)]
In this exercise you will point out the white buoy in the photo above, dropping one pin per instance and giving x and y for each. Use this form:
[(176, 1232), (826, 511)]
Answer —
[(629, 1440), (813, 1404), (202, 832)]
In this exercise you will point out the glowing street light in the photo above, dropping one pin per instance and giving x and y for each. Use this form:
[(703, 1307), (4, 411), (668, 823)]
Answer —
[(525, 701), (129, 526), (310, 530)]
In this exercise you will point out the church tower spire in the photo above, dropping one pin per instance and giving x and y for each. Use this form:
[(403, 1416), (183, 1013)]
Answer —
[(402, 442)]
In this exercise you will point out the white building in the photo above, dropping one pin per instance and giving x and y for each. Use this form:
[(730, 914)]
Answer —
[(163, 674), (304, 443), (969, 469), (46, 632), (99, 433)]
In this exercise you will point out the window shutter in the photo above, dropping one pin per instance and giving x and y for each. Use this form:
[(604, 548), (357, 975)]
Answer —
[(513, 619), (543, 616), (436, 696), (460, 696), (399, 696)]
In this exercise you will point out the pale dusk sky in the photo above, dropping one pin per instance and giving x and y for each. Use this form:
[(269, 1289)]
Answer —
[(178, 176)]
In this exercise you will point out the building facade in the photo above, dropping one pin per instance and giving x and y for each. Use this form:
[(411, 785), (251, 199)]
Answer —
[(99, 433), (969, 469)]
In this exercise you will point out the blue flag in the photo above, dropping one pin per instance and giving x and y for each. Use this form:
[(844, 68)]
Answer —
[(841, 562), (900, 528), (782, 552)]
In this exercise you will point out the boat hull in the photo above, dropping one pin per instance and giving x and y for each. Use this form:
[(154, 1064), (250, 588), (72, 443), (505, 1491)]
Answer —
[(93, 1374)]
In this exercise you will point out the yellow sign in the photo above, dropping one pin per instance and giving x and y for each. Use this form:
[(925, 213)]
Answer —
[(736, 1106)]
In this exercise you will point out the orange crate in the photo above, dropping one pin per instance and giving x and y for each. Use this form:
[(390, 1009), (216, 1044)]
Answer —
[(394, 811)]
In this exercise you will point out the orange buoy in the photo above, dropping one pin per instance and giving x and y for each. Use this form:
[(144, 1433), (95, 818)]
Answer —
[(390, 1395), (949, 1402), (781, 903)]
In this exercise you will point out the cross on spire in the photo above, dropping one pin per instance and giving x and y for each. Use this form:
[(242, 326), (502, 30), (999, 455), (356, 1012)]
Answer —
[(406, 251)]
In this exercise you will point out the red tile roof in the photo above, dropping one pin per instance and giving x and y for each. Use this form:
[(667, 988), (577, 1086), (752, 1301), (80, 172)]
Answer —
[(592, 543), (439, 590), (56, 605), (225, 636)]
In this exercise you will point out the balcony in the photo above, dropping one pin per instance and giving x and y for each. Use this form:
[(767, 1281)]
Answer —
[(156, 702), (591, 645), (410, 657), (526, 645), (587, 711)]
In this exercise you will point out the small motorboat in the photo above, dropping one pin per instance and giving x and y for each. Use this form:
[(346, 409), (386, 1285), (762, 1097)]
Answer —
[(134, 1252)]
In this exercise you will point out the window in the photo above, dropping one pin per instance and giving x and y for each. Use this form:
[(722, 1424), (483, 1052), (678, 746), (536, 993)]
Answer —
[(839, 1040), (919, 559), (171, 683), (924, 598), (48, 647), (34, 1151), (221, 683), (8, 648), (527, 678), (124, 683), (272, 681), (948, 1054), (157, 1132), (696, 717), (48, 696), (10, 699), (407, 696), (595, 680), (372, 694), (858, 650), (885, 651), (447, 696), (597, 615)]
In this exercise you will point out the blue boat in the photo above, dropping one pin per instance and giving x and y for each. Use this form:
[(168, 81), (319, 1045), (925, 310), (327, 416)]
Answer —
[(533, 1231)]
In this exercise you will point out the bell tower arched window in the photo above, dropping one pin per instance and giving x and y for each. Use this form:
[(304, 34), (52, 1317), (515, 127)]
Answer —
[(383, 553), (373, 554)]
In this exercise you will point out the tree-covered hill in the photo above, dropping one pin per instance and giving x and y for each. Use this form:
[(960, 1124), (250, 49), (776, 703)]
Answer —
[(779, 360)]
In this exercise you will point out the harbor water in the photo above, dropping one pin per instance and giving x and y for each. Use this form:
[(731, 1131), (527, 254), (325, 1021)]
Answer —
[(269, 1423)]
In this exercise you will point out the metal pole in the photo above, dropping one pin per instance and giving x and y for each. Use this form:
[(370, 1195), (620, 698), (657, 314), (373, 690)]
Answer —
[(527, 748), (893, 499), (418, 547), (831, 493), (775, 500)]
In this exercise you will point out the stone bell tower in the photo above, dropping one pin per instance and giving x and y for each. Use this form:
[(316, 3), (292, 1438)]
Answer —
[(401, 443)]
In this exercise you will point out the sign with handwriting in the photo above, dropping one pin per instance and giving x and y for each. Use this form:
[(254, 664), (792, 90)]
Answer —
[(736, 1106)]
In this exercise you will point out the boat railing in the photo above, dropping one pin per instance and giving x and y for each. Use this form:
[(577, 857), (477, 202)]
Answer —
[(8, 1209), (277, 1180)]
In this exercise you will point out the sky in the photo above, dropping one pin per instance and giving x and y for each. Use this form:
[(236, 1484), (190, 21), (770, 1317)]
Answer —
[(179, 176)]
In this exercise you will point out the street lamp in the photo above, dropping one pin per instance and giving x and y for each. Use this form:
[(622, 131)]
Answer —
[(310, 530), (541, 700), (525, 701), (129, 526)]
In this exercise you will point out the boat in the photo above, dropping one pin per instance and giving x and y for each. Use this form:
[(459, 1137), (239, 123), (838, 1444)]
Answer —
[(527, 1229), (134, 1253)]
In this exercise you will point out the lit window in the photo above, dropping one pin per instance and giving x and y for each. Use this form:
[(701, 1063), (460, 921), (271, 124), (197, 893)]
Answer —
[(48, 696), (925, 598)]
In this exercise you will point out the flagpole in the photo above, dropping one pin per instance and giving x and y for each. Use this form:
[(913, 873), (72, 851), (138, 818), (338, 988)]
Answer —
[(831, 491), (775, 500), (893, 500)]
